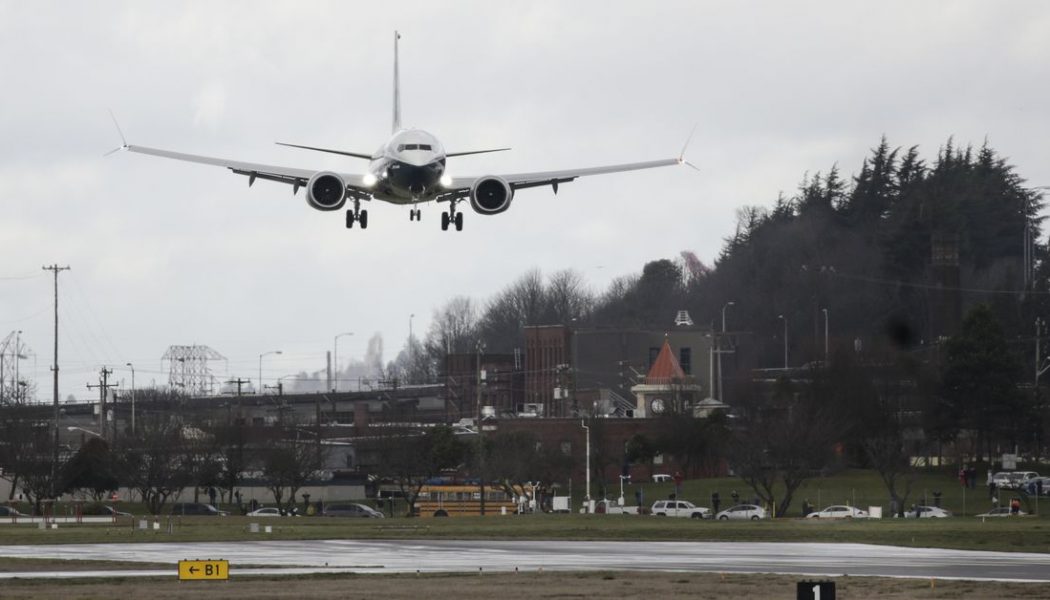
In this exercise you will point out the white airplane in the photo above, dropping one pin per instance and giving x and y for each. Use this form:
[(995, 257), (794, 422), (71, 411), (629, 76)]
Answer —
[(408, 169)]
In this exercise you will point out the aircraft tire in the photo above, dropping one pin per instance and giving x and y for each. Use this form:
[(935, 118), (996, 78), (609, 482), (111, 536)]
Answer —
[(459, 221), (363, 217), (349, 219), (444, 221)]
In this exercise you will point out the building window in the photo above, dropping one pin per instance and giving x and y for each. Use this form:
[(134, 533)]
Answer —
[(685, 359)]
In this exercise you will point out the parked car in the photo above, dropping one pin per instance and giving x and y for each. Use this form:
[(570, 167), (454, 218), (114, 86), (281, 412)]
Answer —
[(267, 511), (839, 511), (1034, 489), (927, 512), (196, 509), (661, 478), (1013, 480), (742, 512), (1002, 511), (611, 507), (348, 509), (679, 508), (104, 510), (10, 511)]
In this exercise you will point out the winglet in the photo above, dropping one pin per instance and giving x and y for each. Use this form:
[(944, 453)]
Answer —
[(681, 155), (123, 141)]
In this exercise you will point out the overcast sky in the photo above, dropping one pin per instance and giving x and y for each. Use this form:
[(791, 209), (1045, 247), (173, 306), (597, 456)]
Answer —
[(167, 253)]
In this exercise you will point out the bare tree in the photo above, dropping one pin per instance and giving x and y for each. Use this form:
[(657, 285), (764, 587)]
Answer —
[(27, 453), (453, 327), (410, 458), (229, 447), (154, 460), (288, 464), (567, 298), (781, 443)]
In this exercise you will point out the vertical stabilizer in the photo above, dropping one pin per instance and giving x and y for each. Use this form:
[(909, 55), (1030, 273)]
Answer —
[(397, 88)]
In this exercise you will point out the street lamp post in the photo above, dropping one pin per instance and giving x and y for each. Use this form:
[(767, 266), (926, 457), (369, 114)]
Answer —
[(18, 359), (411, 351), (587, 496), (260, 390), (335, 359), (724, 307), (132, 397), (825, 335), (784, 319)]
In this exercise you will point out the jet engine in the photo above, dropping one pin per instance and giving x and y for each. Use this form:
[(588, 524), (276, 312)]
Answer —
[(491, 195), (326, 191)]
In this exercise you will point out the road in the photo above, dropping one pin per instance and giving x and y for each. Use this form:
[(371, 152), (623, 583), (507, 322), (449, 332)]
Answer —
[(465, 556)]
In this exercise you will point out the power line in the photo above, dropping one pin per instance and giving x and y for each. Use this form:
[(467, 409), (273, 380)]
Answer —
[(931, 286)]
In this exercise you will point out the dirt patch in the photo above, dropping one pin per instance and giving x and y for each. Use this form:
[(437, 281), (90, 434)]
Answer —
[(509, 586)]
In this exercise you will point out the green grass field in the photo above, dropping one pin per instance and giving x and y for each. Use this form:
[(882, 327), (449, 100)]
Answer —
[(860, 488), (1031, 534)]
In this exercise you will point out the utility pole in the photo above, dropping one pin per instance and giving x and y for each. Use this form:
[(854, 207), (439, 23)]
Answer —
[(239, 383), (783, 318), (587, 496), (719, 346), (481, 438), (103, 390), (55, 269)]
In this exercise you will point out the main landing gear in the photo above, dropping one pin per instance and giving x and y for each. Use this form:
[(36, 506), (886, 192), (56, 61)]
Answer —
[(357, 214), (452, 217), (415, 214)]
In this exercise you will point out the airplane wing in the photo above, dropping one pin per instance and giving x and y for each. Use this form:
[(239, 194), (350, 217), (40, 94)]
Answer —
[(292, 176), (461, 185)]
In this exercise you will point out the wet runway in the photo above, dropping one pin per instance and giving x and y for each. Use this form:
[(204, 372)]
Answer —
[(467, 556)]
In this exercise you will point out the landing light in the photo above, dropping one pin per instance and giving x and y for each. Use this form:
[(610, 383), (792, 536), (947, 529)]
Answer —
[(368, 180), (446, 181)]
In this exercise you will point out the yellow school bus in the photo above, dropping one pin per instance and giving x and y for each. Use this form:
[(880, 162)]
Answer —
[(462, 501)]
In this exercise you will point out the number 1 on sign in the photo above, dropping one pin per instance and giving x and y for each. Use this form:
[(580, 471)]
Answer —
[(816, 592)]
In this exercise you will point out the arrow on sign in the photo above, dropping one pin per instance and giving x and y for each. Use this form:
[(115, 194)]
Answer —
[(193, 569)]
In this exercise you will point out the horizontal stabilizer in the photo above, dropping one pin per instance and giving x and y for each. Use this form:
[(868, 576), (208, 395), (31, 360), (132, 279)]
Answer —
[(343, 152), (475, 152)]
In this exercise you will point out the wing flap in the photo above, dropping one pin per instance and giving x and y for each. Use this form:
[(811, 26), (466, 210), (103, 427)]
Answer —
[(289, 175), (541, 178)]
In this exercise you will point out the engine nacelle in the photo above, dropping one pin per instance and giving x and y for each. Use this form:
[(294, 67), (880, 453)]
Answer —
[(326, 191), (491, 195)]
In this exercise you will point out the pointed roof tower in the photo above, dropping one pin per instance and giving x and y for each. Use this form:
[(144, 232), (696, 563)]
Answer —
[(665, 368)]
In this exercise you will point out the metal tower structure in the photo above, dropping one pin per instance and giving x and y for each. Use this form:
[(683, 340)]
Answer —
[(12, 350), (188, 369)]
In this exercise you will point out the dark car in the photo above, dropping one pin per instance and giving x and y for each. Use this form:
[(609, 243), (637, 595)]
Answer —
[(196, 509), (10, 511), (103, 510), (346, 509)]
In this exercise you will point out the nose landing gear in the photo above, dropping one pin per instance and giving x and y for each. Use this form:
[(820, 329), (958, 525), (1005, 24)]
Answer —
[(415, 214)]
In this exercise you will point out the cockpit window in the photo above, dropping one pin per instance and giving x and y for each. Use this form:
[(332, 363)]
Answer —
[(403, 147), (425, 147)]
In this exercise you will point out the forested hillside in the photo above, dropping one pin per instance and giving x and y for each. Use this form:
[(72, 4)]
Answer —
[(859, 247)]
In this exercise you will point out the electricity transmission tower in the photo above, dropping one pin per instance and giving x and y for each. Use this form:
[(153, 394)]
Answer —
[(188, 369)]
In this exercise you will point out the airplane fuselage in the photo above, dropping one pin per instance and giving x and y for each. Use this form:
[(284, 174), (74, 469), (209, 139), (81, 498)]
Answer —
[(409, 168)]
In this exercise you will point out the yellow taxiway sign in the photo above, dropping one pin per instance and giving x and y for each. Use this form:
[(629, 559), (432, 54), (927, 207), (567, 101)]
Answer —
[(204, 569)]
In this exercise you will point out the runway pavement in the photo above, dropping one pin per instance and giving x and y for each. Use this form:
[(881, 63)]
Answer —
[(465, 556)]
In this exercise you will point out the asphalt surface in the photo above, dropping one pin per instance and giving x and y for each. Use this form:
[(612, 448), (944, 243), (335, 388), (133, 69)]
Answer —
[(466, 556)]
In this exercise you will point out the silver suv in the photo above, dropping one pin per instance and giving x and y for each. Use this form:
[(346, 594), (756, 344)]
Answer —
[(679, 508)]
